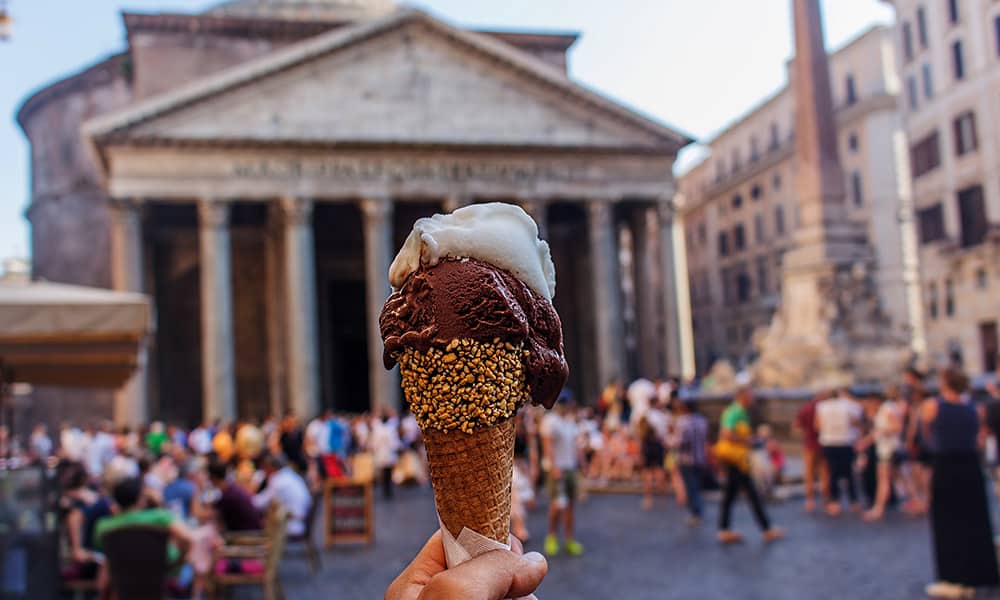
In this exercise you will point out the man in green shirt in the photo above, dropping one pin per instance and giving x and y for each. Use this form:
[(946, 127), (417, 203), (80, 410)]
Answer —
[(133, 512), (733, 451)]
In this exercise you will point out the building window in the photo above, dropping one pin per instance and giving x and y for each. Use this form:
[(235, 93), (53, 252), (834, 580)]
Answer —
[(958, 60), (949, 298), (754, 150), (758, 228), (737, 201), (907, 41), (776, 181), (965, 133), (911, 93), (953, 11), (756, 191), (737, 161), (982, 279), (739, 238), (702, 234), (931, 223), (972, 216), (932, 303), (925, 155), (743, 287), (723, 243), (762, 275), (925, 70), (852, 143), (720, 170), (922, 26), (851, 92), (775, 137), (857, 191), (779, 220)]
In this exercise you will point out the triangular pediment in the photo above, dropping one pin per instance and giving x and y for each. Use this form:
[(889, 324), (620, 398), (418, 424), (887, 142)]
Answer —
[(407, 79)]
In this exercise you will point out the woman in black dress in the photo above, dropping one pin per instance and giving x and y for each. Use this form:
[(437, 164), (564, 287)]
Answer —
[(960, 520)]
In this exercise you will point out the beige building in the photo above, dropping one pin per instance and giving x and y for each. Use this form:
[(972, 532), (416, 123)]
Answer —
[(948, 56), (740, 211), (255, 167)]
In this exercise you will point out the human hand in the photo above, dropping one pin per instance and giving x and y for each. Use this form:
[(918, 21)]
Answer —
[(492, 576)]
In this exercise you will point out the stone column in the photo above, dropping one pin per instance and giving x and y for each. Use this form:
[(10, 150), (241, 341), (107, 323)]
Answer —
[(676, 295), (218, 370), (454, 202), (538, 210), (609, 325), (131, 406), (300, 305), (377, 216), (277, 333), (644, 227)]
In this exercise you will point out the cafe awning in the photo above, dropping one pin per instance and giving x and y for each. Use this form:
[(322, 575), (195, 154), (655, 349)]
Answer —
[(66, 335)]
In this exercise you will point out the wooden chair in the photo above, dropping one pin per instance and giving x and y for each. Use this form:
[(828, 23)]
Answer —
[(270, 553), (137, 559), (308, 537)]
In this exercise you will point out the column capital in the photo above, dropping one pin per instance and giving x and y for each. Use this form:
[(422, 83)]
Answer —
[(376, 209), (125, 205), (666, 209), (296, 211), (213, 214), (453, 202)]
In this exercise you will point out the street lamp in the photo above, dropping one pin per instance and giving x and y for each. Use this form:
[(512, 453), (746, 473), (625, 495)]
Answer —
[(5, 21)]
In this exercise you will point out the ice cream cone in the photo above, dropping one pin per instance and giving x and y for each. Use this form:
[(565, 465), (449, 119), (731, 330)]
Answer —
[(471, 474)]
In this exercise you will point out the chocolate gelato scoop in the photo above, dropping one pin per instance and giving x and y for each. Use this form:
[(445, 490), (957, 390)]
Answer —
[(467, 298)]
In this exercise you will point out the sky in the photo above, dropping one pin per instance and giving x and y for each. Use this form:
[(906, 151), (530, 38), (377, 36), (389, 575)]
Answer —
[(693, 64)]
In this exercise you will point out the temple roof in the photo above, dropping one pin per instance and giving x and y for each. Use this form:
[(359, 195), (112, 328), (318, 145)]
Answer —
[(306, 10)]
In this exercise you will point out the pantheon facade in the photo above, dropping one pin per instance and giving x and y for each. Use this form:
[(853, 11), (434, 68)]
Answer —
[(255, 167)]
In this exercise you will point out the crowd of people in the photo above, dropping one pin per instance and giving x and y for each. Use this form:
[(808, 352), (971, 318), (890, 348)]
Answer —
[(901, 446)]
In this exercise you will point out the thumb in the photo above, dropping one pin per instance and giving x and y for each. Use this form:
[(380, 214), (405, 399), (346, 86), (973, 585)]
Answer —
[(492, 576)]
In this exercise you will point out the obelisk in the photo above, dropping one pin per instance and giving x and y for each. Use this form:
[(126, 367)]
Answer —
[(829, 313)]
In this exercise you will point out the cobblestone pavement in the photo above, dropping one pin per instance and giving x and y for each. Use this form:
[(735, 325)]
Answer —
[(638, 555)]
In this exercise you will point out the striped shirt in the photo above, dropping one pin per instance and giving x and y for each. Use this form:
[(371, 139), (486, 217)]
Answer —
[(693, 432)]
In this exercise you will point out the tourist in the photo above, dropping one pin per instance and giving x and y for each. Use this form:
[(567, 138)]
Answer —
[(837, 421), (223, 444), (692, 457), (815, 477), (100, 449), (733, 451), (292, 442), (156, 438), (71, 443), (992, 422), (918, 454), (233, 507), (317, 437), (200, 440), (652, 460), (40, 444), (179, 494), (887, 429), (132, 511), (385, 445), (496, 574), (560, 452), (286, 487), (83, 507), (964, 551)]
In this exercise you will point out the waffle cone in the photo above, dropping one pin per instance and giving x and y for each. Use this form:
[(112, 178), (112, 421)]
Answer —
[(471, 474)]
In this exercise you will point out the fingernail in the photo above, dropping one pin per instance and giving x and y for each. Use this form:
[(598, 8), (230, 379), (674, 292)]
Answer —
[(534, 557)]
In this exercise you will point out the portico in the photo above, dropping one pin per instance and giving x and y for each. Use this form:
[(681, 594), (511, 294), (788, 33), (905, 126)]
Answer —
[(267, 202)]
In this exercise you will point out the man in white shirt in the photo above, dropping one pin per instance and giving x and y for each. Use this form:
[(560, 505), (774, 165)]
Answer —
[(317, 441), (286, 487), (837, 422), (200, 440), (560, 453)]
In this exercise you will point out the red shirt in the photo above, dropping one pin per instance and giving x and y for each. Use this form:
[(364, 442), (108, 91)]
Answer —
[(806, 420)]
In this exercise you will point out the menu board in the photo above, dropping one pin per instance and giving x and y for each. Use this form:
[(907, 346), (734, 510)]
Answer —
[(350, 512)]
